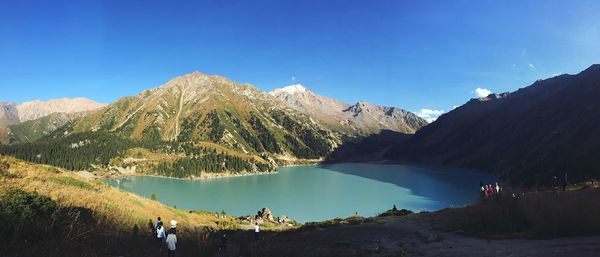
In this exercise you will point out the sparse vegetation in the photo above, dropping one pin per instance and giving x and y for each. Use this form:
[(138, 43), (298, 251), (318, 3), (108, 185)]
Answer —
[(535, 214), (63, 218), (69, 181), (265, 135)]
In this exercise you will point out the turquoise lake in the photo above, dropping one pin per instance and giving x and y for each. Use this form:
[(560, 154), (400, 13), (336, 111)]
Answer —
[(318, 192)]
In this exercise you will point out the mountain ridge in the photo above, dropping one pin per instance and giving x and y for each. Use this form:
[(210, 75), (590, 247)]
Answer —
[(15, 114), (360, 118), (527, 136)]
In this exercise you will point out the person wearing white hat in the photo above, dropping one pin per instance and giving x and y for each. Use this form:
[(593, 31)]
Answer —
[(172, 239)]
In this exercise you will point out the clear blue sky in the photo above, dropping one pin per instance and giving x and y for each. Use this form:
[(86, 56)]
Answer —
[(411, 54)]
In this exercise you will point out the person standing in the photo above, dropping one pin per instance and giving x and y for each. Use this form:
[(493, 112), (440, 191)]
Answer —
[(160, 237), (172, 239), (223, 246), (158, 222), (256, 231)]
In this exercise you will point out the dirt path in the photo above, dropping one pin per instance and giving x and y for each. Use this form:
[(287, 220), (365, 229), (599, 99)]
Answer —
[(409, 236)]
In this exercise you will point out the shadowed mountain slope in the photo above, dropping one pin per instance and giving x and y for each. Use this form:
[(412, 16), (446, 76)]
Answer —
[(547, 129)]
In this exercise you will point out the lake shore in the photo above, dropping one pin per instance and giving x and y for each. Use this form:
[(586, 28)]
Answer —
[(123, 173), (204, 176)]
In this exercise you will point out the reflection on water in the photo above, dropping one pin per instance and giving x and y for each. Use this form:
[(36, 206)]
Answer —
[(310, 193)]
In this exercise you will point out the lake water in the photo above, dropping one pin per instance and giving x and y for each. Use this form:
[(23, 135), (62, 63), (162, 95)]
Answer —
[(319, 192)]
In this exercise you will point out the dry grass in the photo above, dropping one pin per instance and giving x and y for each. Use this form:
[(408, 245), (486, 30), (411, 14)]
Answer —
[(535, 214), (102, 220), (114, 207)]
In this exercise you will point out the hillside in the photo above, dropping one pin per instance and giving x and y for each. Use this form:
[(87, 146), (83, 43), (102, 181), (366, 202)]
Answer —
[(8, 114), (528, 136), (192, 125), (361, 118), (46, 116), (32, 130), (48, 211)]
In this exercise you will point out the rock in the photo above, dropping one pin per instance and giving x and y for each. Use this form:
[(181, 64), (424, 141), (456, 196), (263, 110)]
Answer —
[(283, 219), (266, 214)]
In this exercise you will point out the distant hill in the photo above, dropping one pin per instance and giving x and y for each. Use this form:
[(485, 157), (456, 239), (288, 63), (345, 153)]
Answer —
[(32, 130), (547, 129), (12, 114), (361, 118)]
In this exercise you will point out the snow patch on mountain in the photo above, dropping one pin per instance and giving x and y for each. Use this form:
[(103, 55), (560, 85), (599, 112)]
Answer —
[(291, 89)]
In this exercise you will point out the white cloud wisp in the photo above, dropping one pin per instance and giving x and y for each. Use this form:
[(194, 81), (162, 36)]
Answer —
[(429, 115)]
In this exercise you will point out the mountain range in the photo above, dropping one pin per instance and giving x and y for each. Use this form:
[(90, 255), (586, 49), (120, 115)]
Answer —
[(361, 118), (52, 114), (195, 120), (210, 123)]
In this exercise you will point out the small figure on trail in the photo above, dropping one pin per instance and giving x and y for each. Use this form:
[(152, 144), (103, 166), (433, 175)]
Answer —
[(554, 183), (160, 237), (394, 209), (565, 183), (223, 246), (498, 188), (490, 190), (151, 227), (172, 239), (256, 231)]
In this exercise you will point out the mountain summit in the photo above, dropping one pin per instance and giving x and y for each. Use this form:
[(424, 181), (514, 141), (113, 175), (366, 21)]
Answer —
[(13, 113), (361, 118), (291, 89)]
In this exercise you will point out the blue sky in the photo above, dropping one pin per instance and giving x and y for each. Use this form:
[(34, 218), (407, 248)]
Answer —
[(411, 54)]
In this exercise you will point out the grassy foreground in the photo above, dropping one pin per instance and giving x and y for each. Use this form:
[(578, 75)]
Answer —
[(46, 211)]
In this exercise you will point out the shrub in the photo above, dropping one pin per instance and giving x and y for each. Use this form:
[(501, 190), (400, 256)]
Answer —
[(27, 216)]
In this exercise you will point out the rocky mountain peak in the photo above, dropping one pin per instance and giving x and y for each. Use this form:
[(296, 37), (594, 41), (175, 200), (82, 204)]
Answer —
[(36, 109)]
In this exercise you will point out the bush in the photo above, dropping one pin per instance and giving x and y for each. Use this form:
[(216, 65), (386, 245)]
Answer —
[(27, 216)]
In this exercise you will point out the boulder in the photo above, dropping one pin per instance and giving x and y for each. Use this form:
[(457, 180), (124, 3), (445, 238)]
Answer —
[(266, 214)]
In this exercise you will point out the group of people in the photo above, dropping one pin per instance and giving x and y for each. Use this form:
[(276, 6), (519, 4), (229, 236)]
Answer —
[(168, 239), (489, 190)]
